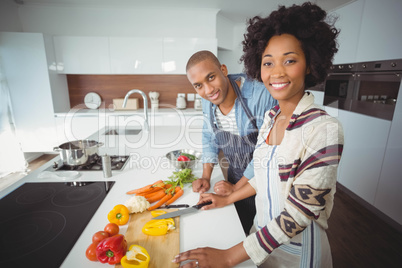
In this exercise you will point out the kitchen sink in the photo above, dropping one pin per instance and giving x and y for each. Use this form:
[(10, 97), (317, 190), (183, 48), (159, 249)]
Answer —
[(122, 132)]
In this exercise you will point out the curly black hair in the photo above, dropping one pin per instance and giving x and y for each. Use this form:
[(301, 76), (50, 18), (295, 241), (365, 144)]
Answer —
[(307, 23)]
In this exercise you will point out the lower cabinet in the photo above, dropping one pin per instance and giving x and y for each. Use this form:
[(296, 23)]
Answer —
[(389, 197), (364, 149)]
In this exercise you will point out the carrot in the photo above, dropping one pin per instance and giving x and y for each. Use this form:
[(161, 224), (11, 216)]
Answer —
[(145, 188), (153, 190), (150, 195), (156, 197), (175, 197), (161, 202)]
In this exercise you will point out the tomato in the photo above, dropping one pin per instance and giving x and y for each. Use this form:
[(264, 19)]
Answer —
[(91, 252), (183, 158), (112, 229), (99, 236)]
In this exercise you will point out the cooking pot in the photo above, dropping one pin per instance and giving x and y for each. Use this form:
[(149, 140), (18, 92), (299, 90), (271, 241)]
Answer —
[(79, 152)]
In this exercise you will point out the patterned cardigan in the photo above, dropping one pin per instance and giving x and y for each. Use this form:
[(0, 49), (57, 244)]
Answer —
[(310, 152)]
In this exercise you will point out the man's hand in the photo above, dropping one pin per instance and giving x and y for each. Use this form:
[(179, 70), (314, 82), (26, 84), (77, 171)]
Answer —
[(223, 188), (201, 185)]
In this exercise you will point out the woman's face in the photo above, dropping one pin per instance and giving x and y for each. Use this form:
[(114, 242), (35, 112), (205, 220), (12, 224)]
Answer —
[(283, 68)]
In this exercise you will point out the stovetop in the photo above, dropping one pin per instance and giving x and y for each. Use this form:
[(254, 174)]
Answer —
[(118, 163), (42, 221)]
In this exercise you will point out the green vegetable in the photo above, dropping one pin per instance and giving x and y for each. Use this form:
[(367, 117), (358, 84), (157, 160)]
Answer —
[(192, 157), (180, 178)]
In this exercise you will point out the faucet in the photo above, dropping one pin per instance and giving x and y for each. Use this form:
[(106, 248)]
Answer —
[(144, 97)]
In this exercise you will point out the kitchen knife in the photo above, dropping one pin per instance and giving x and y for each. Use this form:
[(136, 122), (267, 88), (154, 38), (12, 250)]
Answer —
[(182, 212), (175, 206)]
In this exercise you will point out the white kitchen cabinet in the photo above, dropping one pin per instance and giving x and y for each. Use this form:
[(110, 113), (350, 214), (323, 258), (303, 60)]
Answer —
[(132, 55), (389, 198), (82, 54), (363, 153), (177, 51), (349, 23), (370, 31), (36, 90), (380, 32)]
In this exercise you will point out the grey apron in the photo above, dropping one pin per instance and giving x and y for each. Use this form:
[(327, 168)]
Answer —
[(239, 152)]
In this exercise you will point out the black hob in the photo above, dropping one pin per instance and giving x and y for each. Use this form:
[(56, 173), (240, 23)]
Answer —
[(117, 163), (41, 222)]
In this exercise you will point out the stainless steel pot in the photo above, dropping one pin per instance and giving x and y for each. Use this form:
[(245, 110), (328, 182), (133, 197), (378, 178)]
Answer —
[(79, 152)]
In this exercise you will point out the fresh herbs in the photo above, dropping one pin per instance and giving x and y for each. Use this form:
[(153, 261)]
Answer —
[(180, 178), (190, 156)]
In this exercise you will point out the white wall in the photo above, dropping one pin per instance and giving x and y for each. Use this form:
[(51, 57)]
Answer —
[(9, 21), (128, 21)]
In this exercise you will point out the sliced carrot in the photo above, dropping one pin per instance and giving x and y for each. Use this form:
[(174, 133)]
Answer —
[(161, 202), (156, 197), (145, 188), (175, 197)]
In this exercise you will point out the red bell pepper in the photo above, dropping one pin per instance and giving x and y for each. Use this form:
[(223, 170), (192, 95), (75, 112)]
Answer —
[(111, 249), (183, 158)]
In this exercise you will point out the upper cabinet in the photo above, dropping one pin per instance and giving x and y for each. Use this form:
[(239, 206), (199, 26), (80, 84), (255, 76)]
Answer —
[(82, 54), (177, 51), (127, 55), (36, 90), (132, 55), (369, 31)]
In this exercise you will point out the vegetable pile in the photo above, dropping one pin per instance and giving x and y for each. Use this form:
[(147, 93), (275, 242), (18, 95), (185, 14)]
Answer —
[(108, 246), (165, 192), (186, 157)]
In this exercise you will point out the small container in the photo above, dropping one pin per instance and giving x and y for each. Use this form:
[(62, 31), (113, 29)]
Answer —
[(106, 166)]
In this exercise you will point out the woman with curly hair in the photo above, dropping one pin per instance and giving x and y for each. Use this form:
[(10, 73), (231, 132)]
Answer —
[(298, 148)]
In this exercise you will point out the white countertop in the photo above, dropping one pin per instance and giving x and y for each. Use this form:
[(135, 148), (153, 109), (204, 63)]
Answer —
[(85, 112), (220, 228)]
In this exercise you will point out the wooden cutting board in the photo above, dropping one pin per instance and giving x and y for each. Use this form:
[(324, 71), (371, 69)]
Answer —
[(162, 249)]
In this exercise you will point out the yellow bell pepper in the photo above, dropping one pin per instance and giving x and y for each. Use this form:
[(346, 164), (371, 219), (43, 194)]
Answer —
[(156, 213), (119, 215), (158, 227), (136, 257)]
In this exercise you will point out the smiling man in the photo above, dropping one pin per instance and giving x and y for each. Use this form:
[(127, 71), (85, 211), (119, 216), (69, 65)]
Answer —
[(233, 108)]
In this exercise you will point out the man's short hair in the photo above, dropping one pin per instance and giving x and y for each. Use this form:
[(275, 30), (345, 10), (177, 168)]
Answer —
[(201, 56)]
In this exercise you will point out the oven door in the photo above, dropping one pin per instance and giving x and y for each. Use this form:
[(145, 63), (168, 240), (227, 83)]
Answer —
[(339, 90), (369, 93)]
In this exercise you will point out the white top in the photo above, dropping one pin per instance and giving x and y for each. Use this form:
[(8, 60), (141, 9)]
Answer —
[(227, 122)]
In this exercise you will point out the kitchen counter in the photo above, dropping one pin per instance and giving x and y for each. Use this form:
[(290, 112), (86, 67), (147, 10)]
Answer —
[(84, 112), (219, 228)]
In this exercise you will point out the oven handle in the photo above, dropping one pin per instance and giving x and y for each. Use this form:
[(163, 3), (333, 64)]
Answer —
[(339, 74), (379, 73)]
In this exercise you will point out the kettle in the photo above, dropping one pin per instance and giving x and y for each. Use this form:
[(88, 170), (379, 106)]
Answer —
[(198, 104), (180, 102)]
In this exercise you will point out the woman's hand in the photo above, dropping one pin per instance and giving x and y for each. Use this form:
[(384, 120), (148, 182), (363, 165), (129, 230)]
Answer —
[(201, 185), (212, 257), (217, 201), (223, 188), (203, 257)]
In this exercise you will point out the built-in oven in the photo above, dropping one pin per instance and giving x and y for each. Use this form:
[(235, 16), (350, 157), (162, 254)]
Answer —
[(369, 88)]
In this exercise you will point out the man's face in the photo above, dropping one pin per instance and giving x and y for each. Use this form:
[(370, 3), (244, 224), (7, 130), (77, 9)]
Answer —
[(210, 81)]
